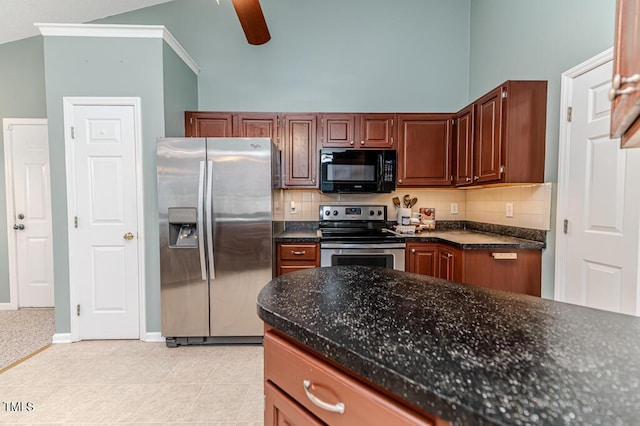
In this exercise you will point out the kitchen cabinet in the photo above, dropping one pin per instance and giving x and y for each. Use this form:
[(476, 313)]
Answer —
[(300, 151), (508, 136), (337, 130), (463, 133), (256, 125), (518, 270), (436, 260), (208, 124), (424, 149), (296, 256), (376, 130), (301, 388), (625, 109)]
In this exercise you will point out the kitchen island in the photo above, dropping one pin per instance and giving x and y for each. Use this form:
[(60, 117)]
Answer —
[(465, 354)]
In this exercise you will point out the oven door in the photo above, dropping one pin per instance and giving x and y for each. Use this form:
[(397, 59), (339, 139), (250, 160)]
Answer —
[(385, 255)]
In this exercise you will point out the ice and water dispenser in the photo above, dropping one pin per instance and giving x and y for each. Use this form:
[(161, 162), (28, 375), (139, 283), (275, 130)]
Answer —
[(183, 232)]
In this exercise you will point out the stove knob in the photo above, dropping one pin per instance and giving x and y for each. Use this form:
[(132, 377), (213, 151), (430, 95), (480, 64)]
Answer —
[(327, 212), (335, 212), (379, 212), (371, 212)]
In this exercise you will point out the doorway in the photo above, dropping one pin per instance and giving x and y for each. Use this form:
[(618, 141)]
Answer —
[(28, 189), (104, 202), (598, 204)]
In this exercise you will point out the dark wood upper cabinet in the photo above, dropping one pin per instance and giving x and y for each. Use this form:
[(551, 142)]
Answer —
[(424, 149), (488, 159), (300, 150), (256, 125), (463, 134), (337, 130), (376, 130), (208, 124), (625, 110)]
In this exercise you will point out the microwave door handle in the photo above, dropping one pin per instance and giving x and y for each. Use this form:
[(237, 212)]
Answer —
[(203, 264), (212, 272)]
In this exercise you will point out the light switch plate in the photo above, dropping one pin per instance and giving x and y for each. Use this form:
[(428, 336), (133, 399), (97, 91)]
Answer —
[(454, 208), (509, 210)]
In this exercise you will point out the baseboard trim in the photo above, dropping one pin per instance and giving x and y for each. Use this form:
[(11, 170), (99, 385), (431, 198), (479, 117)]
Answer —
[(153, 337), (8, 307), (61, 338)]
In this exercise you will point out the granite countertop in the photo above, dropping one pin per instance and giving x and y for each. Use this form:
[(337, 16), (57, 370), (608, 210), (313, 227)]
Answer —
[(467, 354), (461, 238)]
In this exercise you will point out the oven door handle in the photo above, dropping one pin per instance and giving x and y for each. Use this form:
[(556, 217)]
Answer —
[(362, 246)]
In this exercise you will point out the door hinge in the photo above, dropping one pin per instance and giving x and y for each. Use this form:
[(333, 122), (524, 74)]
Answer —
[(78, 309), (75, 221), (73, 132), (565, 226), (453, 122), (392, 122), (569, 114)]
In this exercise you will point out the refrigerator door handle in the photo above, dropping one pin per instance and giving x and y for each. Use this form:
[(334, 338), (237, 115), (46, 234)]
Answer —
[(203, 264), (212, 273)]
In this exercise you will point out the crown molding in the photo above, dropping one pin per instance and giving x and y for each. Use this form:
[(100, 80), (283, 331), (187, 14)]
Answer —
[(119, 31)]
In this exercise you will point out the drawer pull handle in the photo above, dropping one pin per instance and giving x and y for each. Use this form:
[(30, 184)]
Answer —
[(334, 408), (299, 253), (504, 256)]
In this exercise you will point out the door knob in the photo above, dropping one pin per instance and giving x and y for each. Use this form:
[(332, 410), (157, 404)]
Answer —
[(128, 236), (18, 227)]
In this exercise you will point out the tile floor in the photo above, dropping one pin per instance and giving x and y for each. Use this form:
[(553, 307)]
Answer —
[(115, 382)]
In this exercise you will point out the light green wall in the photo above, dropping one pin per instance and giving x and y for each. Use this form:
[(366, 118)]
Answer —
[(87, 66), (538, 40), (21, 96), (180, 86), (328, 55)]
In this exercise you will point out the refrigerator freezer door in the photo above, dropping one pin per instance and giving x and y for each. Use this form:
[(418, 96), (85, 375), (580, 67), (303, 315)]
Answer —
[(242, 232), (184, 284)]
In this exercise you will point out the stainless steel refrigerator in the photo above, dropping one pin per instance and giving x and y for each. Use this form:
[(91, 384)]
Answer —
[(216, 199)]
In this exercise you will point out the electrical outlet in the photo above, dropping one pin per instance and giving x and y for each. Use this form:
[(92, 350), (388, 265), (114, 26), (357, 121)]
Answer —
[(292, 208), (454, 208), (509, 209)]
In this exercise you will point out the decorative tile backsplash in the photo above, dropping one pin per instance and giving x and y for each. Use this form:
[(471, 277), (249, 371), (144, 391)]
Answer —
[(531, 204)]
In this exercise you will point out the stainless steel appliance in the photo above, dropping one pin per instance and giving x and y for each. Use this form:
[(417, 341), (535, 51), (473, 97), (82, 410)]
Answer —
[(216, 249), (354, 235), (357, 170)]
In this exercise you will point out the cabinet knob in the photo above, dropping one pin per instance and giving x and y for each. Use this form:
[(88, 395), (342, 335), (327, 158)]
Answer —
[(399, 180), (413, 250), (613, 93), (313, 181), (467, 179), (351, 143), (449, 255), (361, 142), (618, 80), (476, 178)]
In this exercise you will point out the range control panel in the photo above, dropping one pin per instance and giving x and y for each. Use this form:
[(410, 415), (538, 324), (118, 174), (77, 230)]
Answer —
[(353, 213)]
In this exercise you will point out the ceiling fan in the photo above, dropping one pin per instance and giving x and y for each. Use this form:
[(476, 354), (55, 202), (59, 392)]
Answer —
[(252, 20)]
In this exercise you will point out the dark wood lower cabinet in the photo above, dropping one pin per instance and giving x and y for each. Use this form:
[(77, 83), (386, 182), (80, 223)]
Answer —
[(517, 270), (298, 382), (296, 256)]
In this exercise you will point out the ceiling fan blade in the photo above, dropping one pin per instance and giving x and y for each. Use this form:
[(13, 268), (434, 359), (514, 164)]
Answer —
[(252, 20)]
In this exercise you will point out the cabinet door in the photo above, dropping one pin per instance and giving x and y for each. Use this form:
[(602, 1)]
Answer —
[(424, 149), (626, 108), (463, 133), (422, 258), (337, 130), (488, 142), (518, 270), (208, 124), (280, 410), (376, 130), (449, 263), (300, 154), (256, 125)]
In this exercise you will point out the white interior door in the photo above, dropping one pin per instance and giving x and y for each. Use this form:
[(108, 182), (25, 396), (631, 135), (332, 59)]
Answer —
[(104, 233), (29, 212), (601, 200)]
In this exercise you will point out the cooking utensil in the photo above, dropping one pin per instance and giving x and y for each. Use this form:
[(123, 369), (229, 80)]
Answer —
[(413, 201), (406, 199), (396, 201)]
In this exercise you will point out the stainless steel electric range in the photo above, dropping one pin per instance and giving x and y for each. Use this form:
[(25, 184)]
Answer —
[(355, 235)]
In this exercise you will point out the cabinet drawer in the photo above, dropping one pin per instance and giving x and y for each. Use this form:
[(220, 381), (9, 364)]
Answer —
[(297, 251), (306, 378), (282, 410)]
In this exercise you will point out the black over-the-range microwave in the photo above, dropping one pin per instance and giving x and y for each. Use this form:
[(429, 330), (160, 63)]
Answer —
[(357, 170)]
